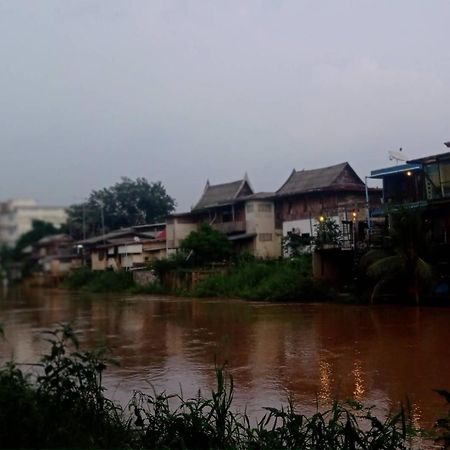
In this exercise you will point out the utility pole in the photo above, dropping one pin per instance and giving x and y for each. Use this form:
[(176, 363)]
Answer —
[(84, 221), (103, 221)]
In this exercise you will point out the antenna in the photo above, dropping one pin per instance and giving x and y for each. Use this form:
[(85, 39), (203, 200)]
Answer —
[(397, 156)]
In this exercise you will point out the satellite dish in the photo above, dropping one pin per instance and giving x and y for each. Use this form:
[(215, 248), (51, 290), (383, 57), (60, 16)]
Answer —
[(447, 144), (397, 156)]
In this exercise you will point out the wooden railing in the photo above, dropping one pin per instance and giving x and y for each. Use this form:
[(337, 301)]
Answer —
[(230, 227)]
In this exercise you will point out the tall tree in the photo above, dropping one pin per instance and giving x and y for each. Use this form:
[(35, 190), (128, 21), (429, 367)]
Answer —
[(40, 229), (126, 203), (207, 245)]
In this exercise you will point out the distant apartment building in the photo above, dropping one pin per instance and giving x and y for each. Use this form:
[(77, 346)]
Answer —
[(17, 216)]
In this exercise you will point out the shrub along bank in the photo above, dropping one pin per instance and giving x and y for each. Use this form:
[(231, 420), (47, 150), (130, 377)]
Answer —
[(65, 407), (265, 280), (100, 281), (247, 278)]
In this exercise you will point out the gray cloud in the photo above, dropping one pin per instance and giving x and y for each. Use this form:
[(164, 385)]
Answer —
[(181, 91)]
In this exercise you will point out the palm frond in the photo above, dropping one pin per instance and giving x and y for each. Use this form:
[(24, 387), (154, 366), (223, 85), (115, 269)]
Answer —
[(372, 256), (424, 271), (386, 267)]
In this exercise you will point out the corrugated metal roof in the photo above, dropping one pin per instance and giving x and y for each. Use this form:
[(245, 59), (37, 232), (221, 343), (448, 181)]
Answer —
[(432, 158), (325, 178), (55, 238), (381, 173)]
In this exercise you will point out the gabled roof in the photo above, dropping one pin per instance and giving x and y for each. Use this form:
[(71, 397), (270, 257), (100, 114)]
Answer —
[(337, 177), (222, 194), (55, 238)]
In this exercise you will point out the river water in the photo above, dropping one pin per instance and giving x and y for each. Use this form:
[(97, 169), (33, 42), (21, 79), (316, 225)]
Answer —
[(311, 352)]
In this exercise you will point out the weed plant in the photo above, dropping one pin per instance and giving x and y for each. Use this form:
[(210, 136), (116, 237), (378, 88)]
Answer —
[(265, 280), (100, 281), (63, 405)]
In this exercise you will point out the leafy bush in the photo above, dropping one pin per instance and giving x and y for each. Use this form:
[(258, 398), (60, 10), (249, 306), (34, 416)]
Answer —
[(327, 232), (101, 281), (64, 406), (173, 262), (207, 245), (265, 280)]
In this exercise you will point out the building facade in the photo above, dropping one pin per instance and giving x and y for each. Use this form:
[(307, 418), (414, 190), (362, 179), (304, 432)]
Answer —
[(17, 216), (335, 192), (246, 218), (422, 183)]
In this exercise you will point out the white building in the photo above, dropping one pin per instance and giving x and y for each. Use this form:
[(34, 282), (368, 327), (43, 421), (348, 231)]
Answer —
[(17, 216)]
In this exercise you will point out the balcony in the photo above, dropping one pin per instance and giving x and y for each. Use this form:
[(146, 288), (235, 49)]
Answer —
[(230, 227)]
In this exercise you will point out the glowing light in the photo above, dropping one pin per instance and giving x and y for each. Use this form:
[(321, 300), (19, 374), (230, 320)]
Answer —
[(409, 173), (321, 218)]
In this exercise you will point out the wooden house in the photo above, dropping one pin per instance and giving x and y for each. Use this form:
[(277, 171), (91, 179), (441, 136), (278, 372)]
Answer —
[(54, 256), (248, 219), (127, 248), (335, 191)]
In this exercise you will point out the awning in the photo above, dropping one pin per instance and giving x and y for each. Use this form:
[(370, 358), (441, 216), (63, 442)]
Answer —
[(393, 208), (381, 173)]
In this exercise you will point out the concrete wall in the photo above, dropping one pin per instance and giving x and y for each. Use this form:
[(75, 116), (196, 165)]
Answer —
[(177, 229), (260, 219), (333, 266), (16, 218)]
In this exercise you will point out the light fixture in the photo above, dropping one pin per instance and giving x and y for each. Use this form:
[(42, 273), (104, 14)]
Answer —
[(409, 173), (321, 218)]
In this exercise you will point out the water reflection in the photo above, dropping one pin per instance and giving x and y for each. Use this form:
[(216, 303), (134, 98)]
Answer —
[(313, 353)]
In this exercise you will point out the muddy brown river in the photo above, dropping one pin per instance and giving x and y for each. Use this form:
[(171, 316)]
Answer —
[(311, 352)]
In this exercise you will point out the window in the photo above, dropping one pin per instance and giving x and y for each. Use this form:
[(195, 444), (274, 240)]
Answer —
[(265, 207), (227, 216), (265, 237)]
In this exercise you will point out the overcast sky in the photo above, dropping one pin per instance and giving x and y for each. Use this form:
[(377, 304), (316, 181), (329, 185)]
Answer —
[(181, 91)]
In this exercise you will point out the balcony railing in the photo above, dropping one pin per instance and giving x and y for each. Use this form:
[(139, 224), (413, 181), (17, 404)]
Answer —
[(230, 227)]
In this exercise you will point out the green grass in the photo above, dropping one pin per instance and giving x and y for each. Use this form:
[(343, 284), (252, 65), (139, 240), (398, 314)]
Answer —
[(265, 280), (248, 279), (64, 406), (100, 281)]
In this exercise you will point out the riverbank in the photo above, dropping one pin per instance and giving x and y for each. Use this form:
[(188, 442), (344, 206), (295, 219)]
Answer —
[(285, 280)]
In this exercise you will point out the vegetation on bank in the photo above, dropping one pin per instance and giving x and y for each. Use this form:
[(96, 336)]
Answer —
[(100, 281), (246, 278), (62, 404), (265, 280)]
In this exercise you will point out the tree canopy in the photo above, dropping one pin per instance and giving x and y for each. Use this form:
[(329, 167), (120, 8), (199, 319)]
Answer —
[(40, 229), (126, 203), (207, 245)]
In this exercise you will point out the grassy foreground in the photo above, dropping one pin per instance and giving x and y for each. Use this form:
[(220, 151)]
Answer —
[(63, 405)]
